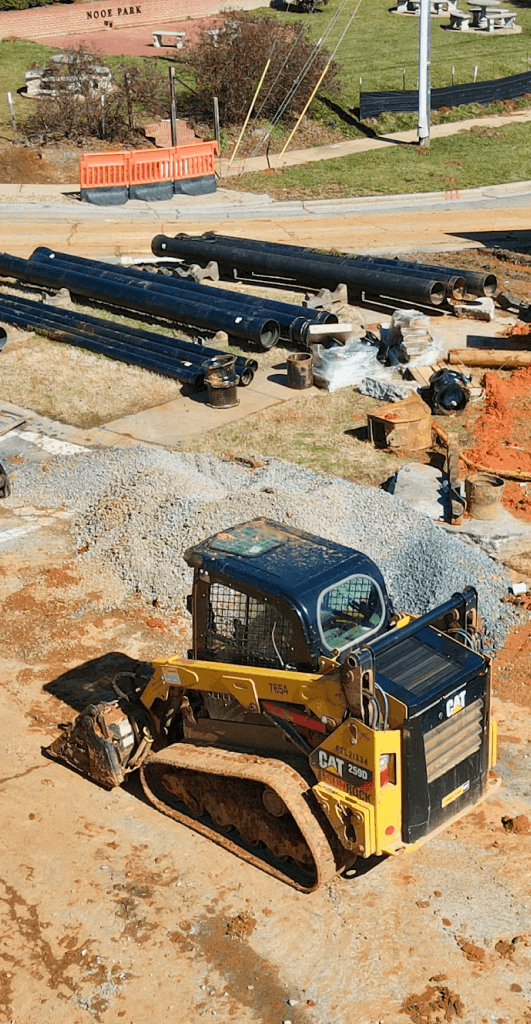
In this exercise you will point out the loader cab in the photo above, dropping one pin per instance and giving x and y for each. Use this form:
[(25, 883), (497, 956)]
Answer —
[(268, 595)]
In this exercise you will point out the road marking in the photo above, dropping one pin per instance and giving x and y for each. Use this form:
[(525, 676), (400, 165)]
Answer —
[(48, 444), (16, 531)]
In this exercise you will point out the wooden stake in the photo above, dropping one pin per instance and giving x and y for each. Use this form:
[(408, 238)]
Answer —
[(489, 357), (249, 112)]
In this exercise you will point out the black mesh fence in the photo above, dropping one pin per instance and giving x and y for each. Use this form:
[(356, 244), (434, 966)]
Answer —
[(372, 104)]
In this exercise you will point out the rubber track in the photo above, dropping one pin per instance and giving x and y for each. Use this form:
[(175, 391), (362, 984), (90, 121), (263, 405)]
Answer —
[(285, 781)]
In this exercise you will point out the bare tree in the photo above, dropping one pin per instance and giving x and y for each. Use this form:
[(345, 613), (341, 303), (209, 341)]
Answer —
[(82, 104), (227, 62)]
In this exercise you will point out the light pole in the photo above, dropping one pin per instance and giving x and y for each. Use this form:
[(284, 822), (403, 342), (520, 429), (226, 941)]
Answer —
[(423, 126)]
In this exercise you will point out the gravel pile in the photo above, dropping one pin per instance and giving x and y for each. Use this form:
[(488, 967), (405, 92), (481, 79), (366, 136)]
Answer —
[(138, 509)]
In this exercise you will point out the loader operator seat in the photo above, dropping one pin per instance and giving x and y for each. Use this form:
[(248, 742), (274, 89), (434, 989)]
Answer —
[(351, 609)]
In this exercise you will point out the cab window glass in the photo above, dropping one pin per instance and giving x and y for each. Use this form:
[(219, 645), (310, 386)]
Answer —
[(350, 610)]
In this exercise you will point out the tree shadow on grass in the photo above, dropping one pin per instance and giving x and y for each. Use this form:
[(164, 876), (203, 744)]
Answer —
[(351, 117)]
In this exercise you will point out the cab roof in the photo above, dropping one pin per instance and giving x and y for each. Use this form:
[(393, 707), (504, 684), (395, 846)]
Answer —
[(279, 559)]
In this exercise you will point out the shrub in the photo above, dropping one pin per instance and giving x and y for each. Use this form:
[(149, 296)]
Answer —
[(228, 63), (22, 5)]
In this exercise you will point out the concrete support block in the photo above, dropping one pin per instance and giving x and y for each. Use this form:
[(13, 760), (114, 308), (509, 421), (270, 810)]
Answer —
[(479, 309)]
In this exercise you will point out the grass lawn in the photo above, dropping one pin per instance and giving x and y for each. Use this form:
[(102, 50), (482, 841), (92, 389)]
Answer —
[(16, 57), (325, 432), (481, 156), (379, 46)]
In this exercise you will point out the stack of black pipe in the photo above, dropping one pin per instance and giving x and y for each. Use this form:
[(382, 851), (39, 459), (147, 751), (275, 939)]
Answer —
[(171, 357), (291, 321), (371, 275), (249, 318)]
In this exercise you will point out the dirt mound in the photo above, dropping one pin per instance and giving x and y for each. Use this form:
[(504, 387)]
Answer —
[(53, 166), (502, 440), (434, 1006)]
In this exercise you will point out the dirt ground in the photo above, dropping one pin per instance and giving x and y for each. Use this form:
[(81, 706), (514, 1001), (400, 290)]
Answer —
[(110, 912)]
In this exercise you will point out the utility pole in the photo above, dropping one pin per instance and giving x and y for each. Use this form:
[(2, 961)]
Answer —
[(423, 126)]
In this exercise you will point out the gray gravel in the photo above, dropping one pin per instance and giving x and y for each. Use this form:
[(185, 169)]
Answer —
[(138, 509)]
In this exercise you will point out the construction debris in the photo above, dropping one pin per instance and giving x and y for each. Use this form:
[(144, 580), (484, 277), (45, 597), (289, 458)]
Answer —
[(476, 309)]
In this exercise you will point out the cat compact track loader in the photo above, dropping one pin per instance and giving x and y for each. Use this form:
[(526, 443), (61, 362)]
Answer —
[(310, 724)]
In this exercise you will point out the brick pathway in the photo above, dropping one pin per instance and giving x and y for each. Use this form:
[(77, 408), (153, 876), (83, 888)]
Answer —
[(132, 42)]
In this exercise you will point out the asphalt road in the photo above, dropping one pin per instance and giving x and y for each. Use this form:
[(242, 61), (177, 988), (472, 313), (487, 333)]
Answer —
[(54, 216)]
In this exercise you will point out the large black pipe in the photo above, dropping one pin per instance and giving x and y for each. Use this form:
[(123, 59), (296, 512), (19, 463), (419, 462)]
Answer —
[(315, 273), (476, 283), (97, 326), (256, 328), (124, 353), (91, 329), (42, 316), (293, 320), (315, 315)]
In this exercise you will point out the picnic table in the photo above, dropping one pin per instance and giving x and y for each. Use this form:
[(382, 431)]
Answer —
[(483, 15), (487, 14), (159, 33), (437, 7)]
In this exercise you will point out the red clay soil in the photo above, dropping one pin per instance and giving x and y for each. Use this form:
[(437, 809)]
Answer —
[(511, 677), (502, 436)]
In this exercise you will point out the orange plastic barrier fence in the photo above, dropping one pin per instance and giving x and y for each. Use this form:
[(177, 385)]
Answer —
[(104, 170), (146, 166), (195, 160)]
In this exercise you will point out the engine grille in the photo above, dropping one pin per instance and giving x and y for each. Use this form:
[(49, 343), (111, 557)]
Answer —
[(416, 666), (453, 741)]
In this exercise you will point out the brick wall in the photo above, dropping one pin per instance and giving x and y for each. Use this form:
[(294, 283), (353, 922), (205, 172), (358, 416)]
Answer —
[(38, 23)]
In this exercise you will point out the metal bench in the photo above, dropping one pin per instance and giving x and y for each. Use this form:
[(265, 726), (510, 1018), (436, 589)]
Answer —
[(178, 36)]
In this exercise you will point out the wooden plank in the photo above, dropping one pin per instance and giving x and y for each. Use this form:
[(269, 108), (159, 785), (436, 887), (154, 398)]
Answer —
[(8, 422), (421, 374)]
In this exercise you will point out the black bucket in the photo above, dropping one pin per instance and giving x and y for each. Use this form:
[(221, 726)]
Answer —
[(300, 370), (221, 382)]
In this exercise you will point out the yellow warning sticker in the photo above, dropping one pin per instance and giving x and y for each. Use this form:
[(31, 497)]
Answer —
[(450, 797)]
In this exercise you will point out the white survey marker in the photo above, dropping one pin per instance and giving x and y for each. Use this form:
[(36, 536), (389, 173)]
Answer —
[(17, 531), (48, 444)]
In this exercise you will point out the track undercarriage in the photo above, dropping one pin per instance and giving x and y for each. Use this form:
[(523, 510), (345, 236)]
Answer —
[(257, 807)]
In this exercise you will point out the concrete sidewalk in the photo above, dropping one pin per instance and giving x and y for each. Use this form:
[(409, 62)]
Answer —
[(350, 146), (230, 202)]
